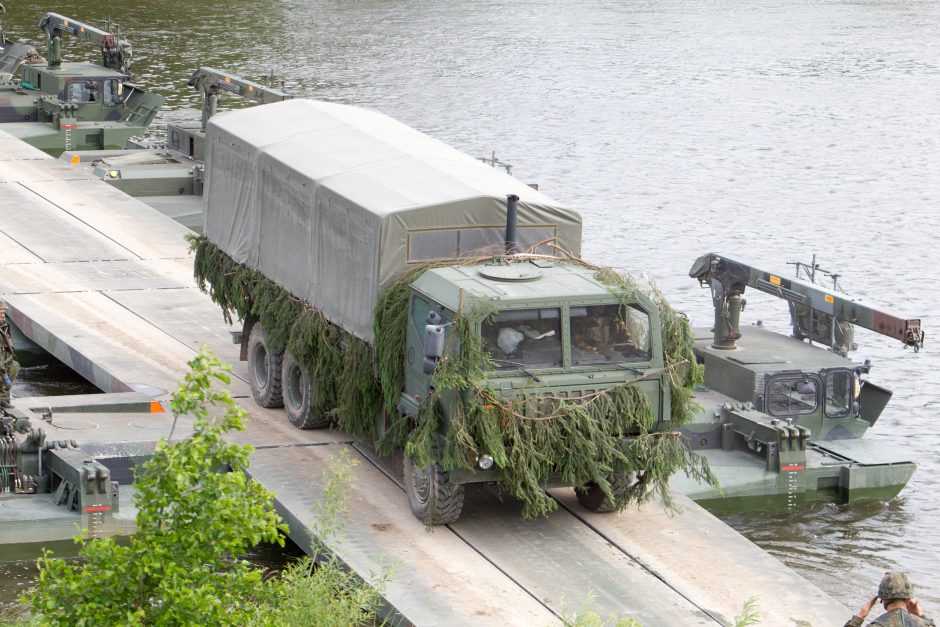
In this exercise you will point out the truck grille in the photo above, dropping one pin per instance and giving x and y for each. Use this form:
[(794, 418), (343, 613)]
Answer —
[(544, 404)]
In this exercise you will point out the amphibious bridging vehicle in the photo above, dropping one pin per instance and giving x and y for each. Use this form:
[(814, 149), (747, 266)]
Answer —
[(169, 176), (783, 418), (77, 106)]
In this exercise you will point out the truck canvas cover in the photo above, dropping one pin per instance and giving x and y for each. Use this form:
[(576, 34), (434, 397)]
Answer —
[(331, 202)]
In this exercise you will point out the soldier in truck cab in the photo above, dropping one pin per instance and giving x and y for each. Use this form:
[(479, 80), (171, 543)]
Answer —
[(599, 333), (591, 332)]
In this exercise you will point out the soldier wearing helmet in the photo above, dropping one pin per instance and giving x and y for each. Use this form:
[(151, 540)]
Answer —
[(901, 608), (9, 367)]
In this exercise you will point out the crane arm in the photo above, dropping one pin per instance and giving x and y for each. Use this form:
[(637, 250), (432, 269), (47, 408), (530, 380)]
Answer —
[(116, 53), (213, 82), (728, 277)]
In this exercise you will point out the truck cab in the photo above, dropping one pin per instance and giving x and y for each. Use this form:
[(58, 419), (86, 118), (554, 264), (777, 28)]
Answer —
[(550, 332)]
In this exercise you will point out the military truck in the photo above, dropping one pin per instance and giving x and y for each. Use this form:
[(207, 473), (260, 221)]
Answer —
[(783, 416), (412, 295), (57, 106)]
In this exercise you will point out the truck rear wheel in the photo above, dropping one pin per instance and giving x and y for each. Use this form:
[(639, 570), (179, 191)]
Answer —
[(593, 498), (264, 369), (301, 396), (433, 498)]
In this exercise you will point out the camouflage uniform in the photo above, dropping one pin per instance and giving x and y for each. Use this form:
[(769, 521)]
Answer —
[(597, 333), (895, 618), (8, 364), (894, 586)]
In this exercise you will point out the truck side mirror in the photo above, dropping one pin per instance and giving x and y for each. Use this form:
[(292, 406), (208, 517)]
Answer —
[(433, 341), (433, 346)]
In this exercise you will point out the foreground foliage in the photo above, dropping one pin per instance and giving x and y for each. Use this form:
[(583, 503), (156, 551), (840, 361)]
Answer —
[(750, 613), (587, 616), (319, 590), (579, 439), (179, 568)]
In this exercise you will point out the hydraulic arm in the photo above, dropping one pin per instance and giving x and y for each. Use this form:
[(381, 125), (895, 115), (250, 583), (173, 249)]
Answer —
[(116, 53), (817, 313), (213, 82)]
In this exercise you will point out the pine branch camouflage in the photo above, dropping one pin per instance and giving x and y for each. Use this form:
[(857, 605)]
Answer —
[(578, 441)]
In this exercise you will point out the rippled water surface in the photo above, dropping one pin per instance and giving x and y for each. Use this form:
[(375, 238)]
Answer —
[(762, 129)]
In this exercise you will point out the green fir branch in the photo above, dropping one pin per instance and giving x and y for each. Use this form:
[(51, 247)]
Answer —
[(532, 438)]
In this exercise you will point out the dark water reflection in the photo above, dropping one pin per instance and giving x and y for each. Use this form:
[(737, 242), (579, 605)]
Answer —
[(762, 129), (50, 379)]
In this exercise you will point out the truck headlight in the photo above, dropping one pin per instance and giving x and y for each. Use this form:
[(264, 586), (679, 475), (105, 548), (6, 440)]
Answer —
[(485, 462)]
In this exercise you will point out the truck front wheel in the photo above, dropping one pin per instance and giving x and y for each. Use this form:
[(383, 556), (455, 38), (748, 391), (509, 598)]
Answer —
[(301, 396), (264, 369), (593, 498), (433, 498)]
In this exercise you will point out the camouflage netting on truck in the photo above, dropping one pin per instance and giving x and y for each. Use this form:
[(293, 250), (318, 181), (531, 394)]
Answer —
[(341, 364), (578, 439)]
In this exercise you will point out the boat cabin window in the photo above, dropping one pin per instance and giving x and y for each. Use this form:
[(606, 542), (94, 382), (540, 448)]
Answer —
[(473, 241), (111, 90), (792, 395), (528, 338), (31, 79), (602, 334), (838, 393), (81, 91)]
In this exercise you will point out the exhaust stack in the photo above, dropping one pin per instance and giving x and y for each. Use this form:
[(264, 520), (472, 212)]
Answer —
[(512, 217)]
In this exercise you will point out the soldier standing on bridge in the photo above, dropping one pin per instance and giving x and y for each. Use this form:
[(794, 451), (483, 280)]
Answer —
[(9, 367), (901, 609)]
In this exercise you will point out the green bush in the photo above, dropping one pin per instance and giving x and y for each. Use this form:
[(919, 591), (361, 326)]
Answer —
[(180, 568)]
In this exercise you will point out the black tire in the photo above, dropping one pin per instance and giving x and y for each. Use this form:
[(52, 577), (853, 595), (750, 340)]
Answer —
[(264, 369), (301, 396), (593, 498), (433, 498)]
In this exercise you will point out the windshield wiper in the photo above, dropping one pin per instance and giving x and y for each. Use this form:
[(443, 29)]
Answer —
[(521, 367), (638, 372)]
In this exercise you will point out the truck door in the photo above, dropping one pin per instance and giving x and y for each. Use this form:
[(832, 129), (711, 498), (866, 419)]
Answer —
[(416, 382)]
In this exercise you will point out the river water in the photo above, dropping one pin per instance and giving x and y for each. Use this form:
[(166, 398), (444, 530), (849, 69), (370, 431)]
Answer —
[(763, 129)]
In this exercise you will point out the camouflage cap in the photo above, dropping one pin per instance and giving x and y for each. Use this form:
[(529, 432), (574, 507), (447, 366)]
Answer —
[(3, 305), (895, 586)]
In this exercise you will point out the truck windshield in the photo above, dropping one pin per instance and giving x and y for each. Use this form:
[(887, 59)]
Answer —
[(609, 333), (838, 393), (528, 338)]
